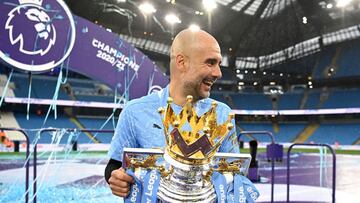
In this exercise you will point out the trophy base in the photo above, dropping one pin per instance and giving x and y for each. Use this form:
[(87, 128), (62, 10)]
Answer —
[(166, 194), (186, 184)]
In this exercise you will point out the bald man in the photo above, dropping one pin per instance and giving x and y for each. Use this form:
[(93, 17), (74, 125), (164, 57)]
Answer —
[(194, 67)]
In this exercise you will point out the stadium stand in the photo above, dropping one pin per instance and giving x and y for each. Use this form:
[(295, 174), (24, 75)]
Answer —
[(349, 62), (286, 133), (313, 100), (97, 123), (323, 62), (87, 90), (254, 101), (42, 87), (35, 122), (343, 99), (7, 119), (342, 133), (9, 91), (289, 101)]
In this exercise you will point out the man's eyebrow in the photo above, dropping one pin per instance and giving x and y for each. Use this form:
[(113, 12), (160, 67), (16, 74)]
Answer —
[(212, 60)]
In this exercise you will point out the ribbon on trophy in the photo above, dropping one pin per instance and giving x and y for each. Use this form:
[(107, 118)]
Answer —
[(219, 183), (230, 193), (242, 190), (146, 190), (135, 189), (150, 186)]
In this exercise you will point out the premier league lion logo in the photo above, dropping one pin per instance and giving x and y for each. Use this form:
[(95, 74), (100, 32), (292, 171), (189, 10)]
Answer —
[(42, 35), (35, 35)]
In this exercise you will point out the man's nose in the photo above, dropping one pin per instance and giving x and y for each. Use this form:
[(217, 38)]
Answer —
[(217, 72)]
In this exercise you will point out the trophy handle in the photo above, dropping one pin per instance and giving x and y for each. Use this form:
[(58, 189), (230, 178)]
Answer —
[(148, 157)]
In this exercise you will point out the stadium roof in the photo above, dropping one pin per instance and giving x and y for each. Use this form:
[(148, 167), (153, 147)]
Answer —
[(254, 34)]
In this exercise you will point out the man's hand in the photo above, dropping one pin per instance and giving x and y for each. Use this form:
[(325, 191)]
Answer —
[(120, 182)]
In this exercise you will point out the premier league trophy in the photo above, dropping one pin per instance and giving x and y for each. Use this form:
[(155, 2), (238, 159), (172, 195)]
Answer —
[(189, 169)]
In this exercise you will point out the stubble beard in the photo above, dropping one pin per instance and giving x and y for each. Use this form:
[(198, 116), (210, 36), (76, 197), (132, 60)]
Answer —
[(193, 88)]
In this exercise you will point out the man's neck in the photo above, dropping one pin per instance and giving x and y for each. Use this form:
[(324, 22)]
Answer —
[(176, 93)]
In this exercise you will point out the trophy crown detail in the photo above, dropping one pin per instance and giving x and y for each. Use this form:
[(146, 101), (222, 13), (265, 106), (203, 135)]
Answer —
[(199, 144)]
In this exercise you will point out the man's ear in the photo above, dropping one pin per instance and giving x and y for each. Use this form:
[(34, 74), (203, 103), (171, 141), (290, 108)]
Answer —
[(180, 61)]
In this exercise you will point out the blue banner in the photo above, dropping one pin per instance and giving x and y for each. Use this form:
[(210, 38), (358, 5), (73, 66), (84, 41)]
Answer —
[(135, 190), (230, 193), (241, 190), (239, 193), (244, 190), (219, 183), (250, 190), (150, 185)]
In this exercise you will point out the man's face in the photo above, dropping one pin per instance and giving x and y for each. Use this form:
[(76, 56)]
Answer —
[(202, 71)]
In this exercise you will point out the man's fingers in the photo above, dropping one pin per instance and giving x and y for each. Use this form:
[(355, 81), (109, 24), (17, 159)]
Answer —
[(121, 175), (120, 194), (119, 189), (127, 177), (118, 182)]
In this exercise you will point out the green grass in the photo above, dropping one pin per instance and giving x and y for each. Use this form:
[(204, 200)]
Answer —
[(307, 150)]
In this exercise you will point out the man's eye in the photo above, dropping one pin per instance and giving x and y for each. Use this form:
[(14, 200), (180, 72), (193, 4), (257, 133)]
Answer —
[(211, 62)]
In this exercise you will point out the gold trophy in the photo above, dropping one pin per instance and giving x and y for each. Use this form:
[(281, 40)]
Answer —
[(190, 155)]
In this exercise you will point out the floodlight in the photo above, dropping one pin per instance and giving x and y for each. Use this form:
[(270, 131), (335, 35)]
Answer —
[(172, 19), (304, 20), (147, 8), (342, 3), (194, 27), (209, 5)]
